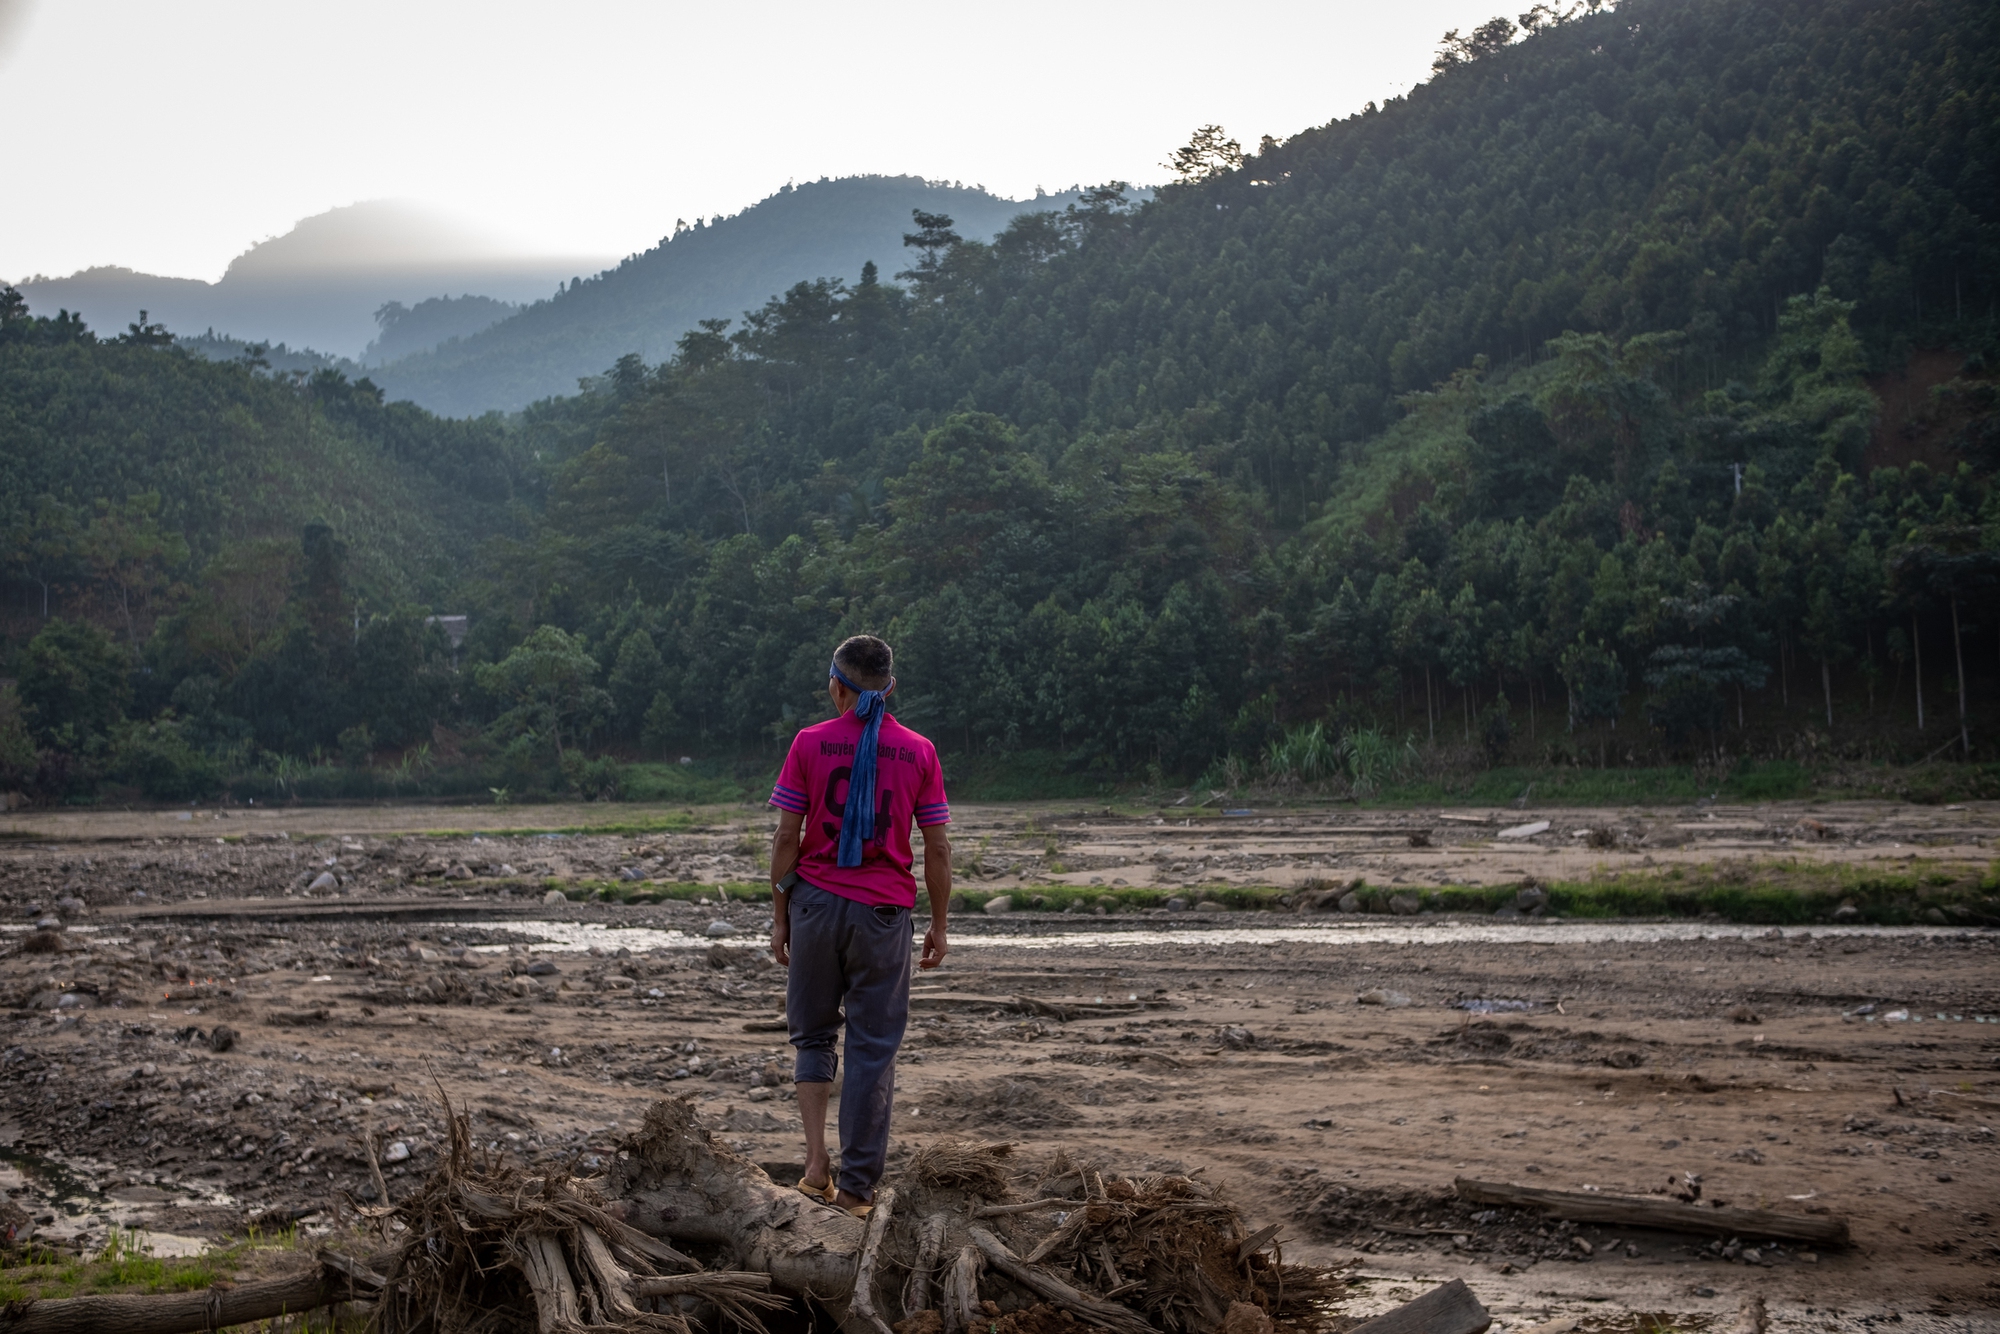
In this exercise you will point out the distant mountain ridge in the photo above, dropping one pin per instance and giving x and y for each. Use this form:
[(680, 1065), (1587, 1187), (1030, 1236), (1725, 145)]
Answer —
[(823, 229), (319, 285)]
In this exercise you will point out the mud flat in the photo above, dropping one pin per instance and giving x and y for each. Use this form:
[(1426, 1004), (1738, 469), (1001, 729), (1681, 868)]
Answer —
[(220, 1049)]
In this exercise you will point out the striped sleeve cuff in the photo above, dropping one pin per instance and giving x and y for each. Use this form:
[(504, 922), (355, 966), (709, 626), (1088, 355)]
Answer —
[(786, 799), (938, 812)]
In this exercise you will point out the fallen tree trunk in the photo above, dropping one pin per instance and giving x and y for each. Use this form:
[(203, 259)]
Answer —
[(1670, 1215), (184, 1312), (680, 1184)]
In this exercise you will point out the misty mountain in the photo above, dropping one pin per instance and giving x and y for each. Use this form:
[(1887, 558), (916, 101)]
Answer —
[(320, 285), (823, 229)]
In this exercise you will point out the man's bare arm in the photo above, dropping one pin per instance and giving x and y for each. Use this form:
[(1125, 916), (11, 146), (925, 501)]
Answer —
[(937, 883), (784, 859)]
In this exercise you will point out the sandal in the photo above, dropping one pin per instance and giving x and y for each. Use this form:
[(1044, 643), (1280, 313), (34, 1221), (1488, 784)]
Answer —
[(861, 1211), (824, 1194)]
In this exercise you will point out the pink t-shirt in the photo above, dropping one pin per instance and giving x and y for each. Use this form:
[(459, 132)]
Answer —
[(909, 786)]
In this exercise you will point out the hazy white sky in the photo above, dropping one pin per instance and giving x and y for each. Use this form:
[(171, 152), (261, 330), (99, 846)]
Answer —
[(169, 137)]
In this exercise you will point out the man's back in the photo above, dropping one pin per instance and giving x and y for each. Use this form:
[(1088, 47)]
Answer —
[(909, 788)]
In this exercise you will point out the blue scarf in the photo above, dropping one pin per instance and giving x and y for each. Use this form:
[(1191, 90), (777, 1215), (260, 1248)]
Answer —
[(857, 823)]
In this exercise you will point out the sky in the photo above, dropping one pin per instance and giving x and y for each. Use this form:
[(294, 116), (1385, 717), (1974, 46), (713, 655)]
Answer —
[(170, 137)]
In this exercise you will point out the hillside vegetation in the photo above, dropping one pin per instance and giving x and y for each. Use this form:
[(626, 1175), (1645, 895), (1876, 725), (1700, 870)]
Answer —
[(641, 307), (1624, 396)]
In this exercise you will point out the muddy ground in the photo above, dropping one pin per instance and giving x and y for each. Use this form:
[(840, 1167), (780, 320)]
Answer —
[(208, 1037)]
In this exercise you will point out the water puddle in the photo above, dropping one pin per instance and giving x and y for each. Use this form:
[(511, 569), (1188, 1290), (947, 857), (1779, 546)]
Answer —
[(575, 937), (66, 1194)]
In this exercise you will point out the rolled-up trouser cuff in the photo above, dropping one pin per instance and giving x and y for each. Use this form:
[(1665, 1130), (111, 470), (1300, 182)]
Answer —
[(815, 1066)]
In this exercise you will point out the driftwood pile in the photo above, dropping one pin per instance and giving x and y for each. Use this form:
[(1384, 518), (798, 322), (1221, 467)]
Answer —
[(945, 1251), (485, 1246)]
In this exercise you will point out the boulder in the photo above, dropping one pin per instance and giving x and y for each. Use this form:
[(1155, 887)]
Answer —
[(554, 897), (997, 905), (1405, 904)]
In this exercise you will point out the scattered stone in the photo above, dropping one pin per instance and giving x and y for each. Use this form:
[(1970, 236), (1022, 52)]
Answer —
[(70, 906), (997, 905), (1177, 905), (1237, 1038), (554, 897), (1350, 902), (220, 1038), (1394, 1000), (397, 1152), (1531, 898), (325, 880), (542, 968), (459, 871), (1404, 904), (1935, 916), (1743, 1014), (505, 869)]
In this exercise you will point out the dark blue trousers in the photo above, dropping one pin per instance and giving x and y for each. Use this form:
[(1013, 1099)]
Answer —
[(852, 955)]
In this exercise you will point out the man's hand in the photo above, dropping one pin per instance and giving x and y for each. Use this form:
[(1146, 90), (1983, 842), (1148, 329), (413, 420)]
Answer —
[(934, 947), (784, 858), (937, 883)]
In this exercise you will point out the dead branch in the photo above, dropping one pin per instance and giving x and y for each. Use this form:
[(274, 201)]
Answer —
[(1109, 1315), (863, 1306)]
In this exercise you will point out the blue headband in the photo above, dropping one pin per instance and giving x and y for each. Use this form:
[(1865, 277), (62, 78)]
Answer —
[(857, 822)]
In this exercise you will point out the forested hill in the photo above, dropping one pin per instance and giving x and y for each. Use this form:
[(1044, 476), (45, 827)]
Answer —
[(820, 228), (1624, 394)]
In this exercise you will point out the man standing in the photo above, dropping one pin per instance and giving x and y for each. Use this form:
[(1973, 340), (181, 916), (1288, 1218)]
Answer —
[(847, 795)]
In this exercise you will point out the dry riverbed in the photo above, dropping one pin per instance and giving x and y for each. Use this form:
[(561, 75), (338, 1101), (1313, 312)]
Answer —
[(207, 1034)]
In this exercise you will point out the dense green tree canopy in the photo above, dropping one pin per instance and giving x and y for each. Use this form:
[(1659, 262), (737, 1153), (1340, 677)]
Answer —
[(1625, 391)]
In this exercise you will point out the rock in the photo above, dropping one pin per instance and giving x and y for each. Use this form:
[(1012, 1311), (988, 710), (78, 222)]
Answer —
[(1935, 916), (505, 869), (69, 906), (397, 1152), (542, 968), (49, 924), (1528, 830), (422, 955), (1531, 897), (1177, 905), (997, 905), (325, 880), (1237, 1039), (523, 985), (1847, 912), (1350, 902), (459, 871), (720, 928), (222, 1038), (1394, 1000), (554, 897), (619, 982), (1404, 904)]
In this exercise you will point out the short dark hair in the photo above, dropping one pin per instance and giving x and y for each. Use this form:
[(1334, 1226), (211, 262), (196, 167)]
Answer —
[(867, 661)]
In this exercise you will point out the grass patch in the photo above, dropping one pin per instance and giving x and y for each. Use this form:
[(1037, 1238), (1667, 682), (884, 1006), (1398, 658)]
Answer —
[(121, 1267), (694, 784)]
